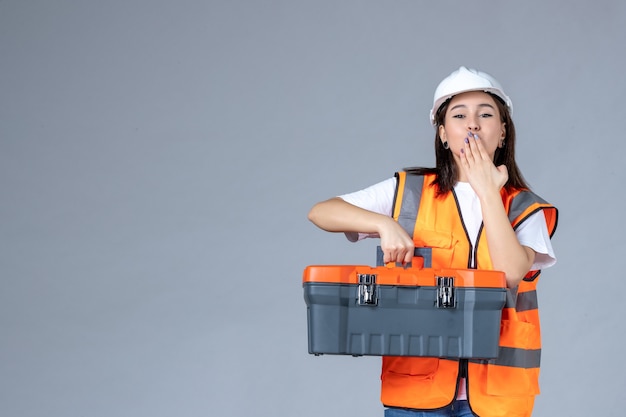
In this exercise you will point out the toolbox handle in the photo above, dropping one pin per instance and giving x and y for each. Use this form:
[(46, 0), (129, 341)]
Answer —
[(425, 253)]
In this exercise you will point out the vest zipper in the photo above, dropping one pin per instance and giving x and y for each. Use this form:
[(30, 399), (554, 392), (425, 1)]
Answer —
[(472, 255), (464, 365), (463, 368), (474, 249)]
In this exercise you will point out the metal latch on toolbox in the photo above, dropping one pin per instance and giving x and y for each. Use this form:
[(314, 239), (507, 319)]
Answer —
[(446, 297), (367, 290)]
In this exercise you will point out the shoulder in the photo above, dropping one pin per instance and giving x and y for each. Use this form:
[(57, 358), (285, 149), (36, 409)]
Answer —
[(377, 197), (525, 203)]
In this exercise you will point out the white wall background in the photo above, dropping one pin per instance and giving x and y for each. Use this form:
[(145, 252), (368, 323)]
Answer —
[(158, 159)]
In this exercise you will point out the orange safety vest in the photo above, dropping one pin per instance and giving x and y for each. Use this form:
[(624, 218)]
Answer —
[(507, 385)]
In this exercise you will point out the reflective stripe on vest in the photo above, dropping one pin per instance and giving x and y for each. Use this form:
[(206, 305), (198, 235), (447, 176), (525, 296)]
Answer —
[(517, 358), (525, 301), (525, 204), (411, 189)]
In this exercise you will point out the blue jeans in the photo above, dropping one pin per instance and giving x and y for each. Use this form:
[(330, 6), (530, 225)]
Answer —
[(456, 409)]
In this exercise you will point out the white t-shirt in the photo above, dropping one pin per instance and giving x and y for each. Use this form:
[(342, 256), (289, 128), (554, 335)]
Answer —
[(533, 232)]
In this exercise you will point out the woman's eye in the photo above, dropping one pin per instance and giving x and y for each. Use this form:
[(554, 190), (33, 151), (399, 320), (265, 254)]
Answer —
[(486, 115), (458, 116)]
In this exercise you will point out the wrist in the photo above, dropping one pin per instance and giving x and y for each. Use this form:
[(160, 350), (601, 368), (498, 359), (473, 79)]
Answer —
[(490, 197)]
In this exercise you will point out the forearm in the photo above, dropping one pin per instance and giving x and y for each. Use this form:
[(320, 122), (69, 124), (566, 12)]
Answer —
[(337, 215), (507, 254)]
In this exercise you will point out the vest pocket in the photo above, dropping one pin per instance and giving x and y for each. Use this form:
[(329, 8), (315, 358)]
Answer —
[(441, 243), (504, 381), (414, 367), (418, 382)]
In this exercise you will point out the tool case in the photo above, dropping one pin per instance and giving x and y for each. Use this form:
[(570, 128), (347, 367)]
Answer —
[(414, 311)]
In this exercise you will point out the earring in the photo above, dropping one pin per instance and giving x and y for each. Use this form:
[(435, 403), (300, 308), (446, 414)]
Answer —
[(445, 145), (502, 143)]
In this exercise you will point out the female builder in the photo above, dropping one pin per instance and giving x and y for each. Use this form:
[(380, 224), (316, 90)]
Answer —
[(473, 210)]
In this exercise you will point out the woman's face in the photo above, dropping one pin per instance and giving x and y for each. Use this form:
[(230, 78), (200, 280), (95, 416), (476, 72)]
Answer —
[(475, 112)]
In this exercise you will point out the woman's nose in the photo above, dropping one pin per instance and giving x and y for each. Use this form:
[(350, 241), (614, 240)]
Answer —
[(472, 124)]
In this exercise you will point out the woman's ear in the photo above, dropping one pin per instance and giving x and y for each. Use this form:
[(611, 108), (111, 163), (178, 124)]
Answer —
[(442, 133), (502, 136)]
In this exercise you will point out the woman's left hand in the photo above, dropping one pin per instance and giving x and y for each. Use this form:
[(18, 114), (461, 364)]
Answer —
[(478, 166)]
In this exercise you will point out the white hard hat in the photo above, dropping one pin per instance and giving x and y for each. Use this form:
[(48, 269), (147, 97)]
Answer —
[(464, 80)]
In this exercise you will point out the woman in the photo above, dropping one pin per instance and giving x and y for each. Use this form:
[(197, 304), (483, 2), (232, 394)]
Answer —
[(474, 210)]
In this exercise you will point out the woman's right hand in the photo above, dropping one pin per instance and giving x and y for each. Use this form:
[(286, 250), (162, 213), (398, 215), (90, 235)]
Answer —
[(395, 242)]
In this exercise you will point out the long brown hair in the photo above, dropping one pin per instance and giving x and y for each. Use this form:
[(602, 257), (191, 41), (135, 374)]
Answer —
[(446, 170)]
